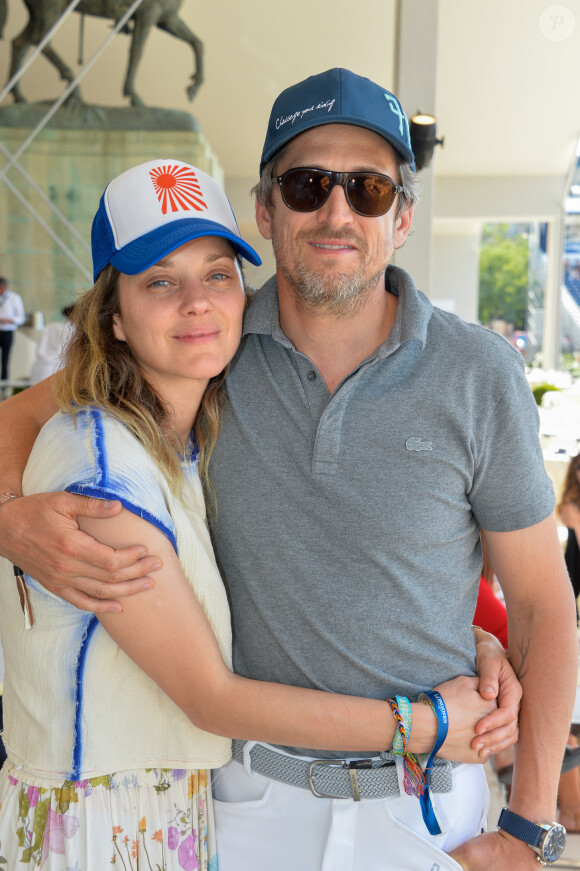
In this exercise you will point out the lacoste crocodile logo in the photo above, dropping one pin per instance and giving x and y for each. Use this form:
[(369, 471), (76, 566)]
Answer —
[(416, 444)]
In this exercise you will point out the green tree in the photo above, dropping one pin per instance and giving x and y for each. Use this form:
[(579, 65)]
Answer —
[(503, 276)]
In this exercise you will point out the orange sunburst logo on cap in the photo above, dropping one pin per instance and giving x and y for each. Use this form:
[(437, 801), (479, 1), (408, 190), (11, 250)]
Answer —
[(177, 188)]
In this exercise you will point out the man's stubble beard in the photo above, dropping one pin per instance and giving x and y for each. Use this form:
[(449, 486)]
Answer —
[(328, 293)]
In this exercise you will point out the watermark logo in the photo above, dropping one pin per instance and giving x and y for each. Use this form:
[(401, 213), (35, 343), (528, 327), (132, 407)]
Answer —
[(557, 22)]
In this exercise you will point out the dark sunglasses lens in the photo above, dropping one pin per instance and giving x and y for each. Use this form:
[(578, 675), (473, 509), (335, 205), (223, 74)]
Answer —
[(370, 195), (305, 190)]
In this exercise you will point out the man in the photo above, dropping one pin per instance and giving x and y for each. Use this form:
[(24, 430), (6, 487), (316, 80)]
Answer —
[(11, 317), (368, 438)]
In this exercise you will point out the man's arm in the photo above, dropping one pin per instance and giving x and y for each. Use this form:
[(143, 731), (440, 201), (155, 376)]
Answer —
[(41, 534), (21, 419), (543, 650)]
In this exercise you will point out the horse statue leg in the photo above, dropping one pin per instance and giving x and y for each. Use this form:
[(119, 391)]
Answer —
[(176, 27), (3, 16), (32, 35), (142, 24), (65, 72), (20, 46)]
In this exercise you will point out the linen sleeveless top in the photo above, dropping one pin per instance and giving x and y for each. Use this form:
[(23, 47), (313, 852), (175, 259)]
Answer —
[(74, 703)]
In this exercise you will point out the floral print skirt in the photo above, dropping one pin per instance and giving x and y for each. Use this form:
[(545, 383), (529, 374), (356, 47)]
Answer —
[(142, 820)]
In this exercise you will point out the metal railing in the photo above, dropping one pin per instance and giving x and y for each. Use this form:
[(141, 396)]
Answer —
[(13, 159)]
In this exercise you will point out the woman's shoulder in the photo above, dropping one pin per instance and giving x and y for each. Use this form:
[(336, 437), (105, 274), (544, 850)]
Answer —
[(90, 446)]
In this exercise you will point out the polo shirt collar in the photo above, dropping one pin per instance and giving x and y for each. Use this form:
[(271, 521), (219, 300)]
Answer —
[(413, 313), (263, 315)]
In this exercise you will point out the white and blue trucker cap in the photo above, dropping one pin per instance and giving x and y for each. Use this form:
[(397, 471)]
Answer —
[(337, 96), (150, 210)]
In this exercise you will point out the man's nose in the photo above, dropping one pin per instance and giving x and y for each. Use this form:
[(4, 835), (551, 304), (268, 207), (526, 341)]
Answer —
[(336, 210)]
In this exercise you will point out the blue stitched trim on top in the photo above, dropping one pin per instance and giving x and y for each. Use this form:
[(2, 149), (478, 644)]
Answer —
[(79, 673), (98, 437), (98, 493), (101, 477), (192, 455)]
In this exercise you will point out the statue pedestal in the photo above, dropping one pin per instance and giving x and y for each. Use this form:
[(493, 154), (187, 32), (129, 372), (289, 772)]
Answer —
[(73, 166)]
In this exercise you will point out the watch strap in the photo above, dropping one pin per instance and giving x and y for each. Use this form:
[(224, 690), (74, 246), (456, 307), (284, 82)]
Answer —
[(519, 827)]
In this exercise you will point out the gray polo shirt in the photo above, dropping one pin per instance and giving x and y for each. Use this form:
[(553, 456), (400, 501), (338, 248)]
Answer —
[(348, 524)]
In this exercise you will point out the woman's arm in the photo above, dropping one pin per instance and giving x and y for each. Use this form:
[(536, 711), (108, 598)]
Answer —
[(72, 565), (168, 626)]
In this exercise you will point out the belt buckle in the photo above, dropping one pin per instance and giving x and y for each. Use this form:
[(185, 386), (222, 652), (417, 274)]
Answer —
[(352, 767)]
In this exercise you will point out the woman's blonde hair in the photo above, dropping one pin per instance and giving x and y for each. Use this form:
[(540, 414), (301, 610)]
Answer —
[(571, 486), (101, 370)]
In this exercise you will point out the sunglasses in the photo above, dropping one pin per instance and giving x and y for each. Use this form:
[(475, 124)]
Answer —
[(369, 194)]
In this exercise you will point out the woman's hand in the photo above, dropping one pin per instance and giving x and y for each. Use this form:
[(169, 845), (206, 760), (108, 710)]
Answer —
[(465, 708)]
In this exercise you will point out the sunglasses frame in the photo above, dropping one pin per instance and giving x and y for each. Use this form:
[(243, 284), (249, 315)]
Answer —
[(340, 178)]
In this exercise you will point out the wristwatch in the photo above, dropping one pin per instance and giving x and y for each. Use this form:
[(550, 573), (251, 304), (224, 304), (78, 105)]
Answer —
[(547, 839)]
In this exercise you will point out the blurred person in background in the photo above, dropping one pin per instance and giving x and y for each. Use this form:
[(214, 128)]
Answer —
[(11, 317)]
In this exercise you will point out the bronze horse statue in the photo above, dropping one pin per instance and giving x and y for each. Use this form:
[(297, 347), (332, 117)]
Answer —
[(151, 13)]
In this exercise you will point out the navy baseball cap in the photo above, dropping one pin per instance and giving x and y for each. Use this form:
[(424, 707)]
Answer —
[(150, 210), (337, 97)]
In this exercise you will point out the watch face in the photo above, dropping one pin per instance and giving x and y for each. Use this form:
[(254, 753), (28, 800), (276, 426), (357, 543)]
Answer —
[(553, 844)]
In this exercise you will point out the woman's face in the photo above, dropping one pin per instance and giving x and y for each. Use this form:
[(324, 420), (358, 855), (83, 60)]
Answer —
[(182, 318)]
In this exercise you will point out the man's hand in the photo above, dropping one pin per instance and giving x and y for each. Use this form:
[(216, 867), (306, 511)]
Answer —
[(497, 680), (497, 851), (41, 535)]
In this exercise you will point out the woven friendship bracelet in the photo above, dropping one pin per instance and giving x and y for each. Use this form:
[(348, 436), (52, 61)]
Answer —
[(406, 713), (413, 779), (400, 735)]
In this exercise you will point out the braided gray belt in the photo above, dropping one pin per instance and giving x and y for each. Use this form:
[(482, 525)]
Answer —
[(338, 778)]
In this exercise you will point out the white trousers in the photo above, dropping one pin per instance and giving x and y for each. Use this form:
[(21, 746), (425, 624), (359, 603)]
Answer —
[(263, 825)]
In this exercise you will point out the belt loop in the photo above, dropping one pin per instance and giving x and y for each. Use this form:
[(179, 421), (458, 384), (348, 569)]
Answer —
[(247, 763)]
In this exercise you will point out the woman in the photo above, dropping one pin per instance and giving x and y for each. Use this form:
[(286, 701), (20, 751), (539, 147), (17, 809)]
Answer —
[(569, 513), (108, 721)]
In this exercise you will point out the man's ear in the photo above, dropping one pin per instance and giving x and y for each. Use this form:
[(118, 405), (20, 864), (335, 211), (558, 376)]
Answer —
[(118, 331), (402, 226), (264, 219)]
